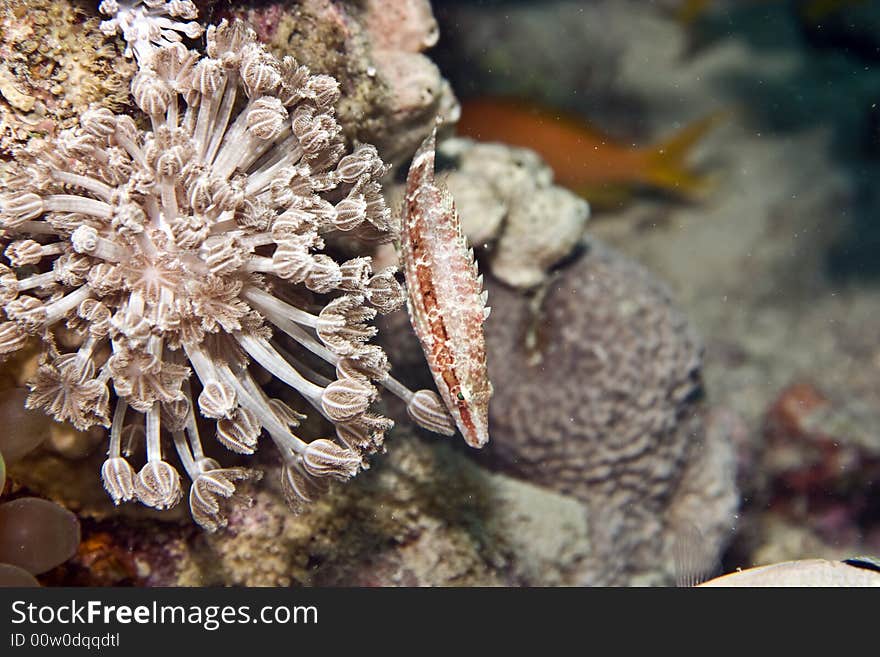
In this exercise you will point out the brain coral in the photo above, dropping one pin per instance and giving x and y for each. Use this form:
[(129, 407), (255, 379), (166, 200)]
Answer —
[(602, 401)]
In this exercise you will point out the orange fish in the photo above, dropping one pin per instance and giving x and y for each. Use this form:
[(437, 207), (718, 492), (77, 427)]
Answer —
[(594, 166)]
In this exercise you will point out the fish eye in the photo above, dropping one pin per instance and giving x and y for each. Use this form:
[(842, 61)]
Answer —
[(460, 396)]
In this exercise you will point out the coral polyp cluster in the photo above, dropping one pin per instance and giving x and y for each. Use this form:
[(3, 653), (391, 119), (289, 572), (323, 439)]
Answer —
[(187, 248), (147, 24)]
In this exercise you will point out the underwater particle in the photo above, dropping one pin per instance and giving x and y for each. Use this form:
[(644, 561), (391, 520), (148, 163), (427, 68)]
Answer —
[(188, 248), (37, 535), (14, 576), (446, 302)]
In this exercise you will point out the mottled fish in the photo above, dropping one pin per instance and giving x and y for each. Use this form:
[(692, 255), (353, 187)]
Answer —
[(447, 306)]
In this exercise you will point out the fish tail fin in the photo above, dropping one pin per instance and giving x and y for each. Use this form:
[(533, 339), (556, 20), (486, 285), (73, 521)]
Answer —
[(606, 197), (667, 168)]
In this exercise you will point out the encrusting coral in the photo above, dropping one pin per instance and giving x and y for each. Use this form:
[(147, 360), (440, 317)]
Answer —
[(54, 62), (393, 91), (185, 249)]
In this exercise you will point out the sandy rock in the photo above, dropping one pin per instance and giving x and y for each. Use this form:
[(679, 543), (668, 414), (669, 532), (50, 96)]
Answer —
[(418, 95), (424, 516), (509, 205), (392, 94), (405, 25)]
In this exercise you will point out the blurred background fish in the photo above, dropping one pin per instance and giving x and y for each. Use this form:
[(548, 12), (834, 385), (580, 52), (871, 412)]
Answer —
[(813, 11), (583, 159), (859, 571), (697, 565)]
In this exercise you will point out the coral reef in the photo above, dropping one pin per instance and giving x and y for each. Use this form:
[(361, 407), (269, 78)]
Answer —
[(166, 260), (602, 401), (393, 93), (423, 516), (814, 475), (600, 406), (510, 207), (427, 515), (55, 63)]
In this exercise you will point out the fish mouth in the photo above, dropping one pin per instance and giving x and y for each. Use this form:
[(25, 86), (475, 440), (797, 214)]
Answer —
[(473, 426), (478, 440)]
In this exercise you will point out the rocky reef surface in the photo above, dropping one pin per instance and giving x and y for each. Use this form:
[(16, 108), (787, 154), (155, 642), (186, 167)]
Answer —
[(56, 62), (392, 91)]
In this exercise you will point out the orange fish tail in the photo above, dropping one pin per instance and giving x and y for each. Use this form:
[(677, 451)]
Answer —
[(667, 168)]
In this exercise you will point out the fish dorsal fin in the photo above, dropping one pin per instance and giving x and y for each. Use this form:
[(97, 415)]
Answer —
[(694, 561), (440, 182), (868, 563)]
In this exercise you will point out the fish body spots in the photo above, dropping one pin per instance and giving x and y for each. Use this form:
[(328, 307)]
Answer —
[(443, 293)]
